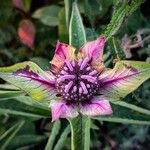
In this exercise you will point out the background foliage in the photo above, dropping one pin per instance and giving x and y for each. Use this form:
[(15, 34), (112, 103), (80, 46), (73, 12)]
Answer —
[(29, 30)]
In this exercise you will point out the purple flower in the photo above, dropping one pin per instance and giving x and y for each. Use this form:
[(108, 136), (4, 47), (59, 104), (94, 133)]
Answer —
[(78, 82)]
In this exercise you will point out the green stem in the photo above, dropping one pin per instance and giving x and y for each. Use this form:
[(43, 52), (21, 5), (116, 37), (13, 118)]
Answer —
[(80, 133)]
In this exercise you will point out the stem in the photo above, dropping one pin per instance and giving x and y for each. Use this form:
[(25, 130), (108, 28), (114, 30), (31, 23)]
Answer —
[(80, 133)]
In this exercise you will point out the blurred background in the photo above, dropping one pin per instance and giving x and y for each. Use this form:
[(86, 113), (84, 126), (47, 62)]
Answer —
[(29, 30)]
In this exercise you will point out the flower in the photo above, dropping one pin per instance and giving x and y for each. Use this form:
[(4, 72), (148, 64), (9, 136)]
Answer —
[(78, 82)]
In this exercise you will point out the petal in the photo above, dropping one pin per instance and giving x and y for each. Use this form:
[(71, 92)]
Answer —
[(98, 106), (61, 110), (124, 78), (94, 51), (30, 78), (62, 52)]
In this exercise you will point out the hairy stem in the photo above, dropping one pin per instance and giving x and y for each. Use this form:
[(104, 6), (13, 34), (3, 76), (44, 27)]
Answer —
[(80, 133)]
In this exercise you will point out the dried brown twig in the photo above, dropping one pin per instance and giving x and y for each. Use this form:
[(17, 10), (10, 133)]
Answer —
[(128, 45)]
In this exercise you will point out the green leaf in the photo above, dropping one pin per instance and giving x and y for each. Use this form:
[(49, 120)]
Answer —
[(92, 10), (41, 107), (8, 87), (52, 138), (9, 91), (121, 10), (48, 15), (20, 114), (61, 142), (7, 137), (26, 140), (77, 35), (4, 94), (124, 78), (30, 78), (127, 113), (24, 107), (43, 63), (6, 33), (80, 130)]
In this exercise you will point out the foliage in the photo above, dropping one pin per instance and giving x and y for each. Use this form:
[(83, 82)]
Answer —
[(29, 30)]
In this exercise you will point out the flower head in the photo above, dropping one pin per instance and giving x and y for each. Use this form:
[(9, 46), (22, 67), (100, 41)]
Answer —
[(78, 82)]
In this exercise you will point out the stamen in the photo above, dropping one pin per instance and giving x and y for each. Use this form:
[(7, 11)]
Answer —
[(65, 77), (88, 68), (74, 88), (64, 72), (68, 86), (94, 72), (88, 85), (77, 81), (73, 63), (85, 91), (80, 90), (89, 78), (79, 62), (65, 68), (84, 63), (69, 65), (75, 95)]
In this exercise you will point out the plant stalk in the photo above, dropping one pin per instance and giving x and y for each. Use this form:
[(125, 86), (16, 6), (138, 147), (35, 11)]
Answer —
[(80, 133)]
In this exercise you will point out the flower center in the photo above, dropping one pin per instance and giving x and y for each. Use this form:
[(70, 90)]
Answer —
[(77, 81)]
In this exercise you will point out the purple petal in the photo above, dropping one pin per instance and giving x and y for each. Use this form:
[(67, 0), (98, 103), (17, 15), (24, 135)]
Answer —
[(29, 77), (63, 52), (61, 110), (27, 72), (98, 106), (120, 81), (94, 51)]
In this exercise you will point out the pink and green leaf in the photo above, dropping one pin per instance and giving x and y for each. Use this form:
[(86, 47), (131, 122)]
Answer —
[(94, 51), (123, 79), (63, 52), (61, 110), (30, 78), (126, 113), (98, 106)]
